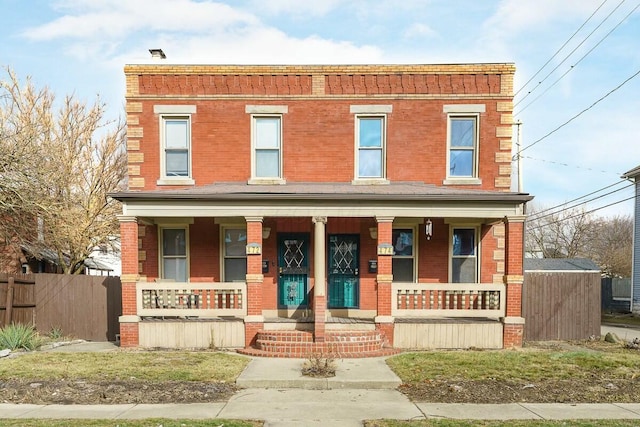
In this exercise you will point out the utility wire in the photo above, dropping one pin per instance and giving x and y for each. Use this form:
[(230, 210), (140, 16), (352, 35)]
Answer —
[(568, 165), (579, 114), (578, 198), (570, 53), (577, 204), (558, 51), (581, 213), (578, 62)]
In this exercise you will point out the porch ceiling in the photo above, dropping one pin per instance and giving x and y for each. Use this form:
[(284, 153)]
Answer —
[(335, 199)]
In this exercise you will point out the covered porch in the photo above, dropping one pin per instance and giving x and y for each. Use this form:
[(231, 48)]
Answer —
[(352, 270)]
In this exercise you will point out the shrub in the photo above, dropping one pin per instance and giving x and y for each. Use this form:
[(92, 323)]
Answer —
[(319, 365), (18, 336)]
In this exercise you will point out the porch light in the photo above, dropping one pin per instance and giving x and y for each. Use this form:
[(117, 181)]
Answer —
[(373, 232), (428, 229), (266, 232)]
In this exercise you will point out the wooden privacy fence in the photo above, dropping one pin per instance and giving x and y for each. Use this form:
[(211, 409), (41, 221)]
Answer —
[(85, 307), (561, 305)]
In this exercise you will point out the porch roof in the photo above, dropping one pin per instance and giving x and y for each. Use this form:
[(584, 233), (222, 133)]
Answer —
[(408, 199), (397, 191)]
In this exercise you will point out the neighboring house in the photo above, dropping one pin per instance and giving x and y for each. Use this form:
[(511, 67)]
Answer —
[(104, 260), (634, 175), (341, 208)]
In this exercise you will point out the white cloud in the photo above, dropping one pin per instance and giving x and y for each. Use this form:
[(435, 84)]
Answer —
[(419, 30), (118, 19), (296, 7)]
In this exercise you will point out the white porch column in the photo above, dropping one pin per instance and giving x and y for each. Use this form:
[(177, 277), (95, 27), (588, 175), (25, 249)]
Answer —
[(319, 257), (319, 278)]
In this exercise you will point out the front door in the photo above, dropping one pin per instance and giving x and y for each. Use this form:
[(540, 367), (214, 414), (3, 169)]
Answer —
[(293, 268), (343, 270)]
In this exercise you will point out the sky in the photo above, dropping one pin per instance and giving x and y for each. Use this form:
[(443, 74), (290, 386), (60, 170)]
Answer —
[(577, 82)]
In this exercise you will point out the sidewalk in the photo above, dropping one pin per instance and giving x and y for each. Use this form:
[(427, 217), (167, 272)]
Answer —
[(274, 390), (277, 393)]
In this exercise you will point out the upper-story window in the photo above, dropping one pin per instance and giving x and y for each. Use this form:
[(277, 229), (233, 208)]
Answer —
[(371, 136), (266, 143), (463, 143), (464, 255), (370, 147), (268, 146), (175, 144)]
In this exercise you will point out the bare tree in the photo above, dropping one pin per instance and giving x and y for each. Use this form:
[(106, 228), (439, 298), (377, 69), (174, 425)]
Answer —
[(559, 234), (575, 233), (59, 163), (611, 245)]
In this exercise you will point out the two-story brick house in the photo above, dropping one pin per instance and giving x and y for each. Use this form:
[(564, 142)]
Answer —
[(345, 208)]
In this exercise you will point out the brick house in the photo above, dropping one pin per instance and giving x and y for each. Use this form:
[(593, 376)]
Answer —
[(344, 208)]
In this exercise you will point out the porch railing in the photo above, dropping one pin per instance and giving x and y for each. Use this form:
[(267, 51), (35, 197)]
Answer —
[(448, 300), (191, 299)]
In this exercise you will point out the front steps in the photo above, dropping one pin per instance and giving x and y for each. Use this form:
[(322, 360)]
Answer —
[(339, 344)]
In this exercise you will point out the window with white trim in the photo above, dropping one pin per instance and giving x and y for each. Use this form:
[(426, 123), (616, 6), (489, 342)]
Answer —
[(176, 146), (267, 145), (173, 254), (464, 255), (404, 255), (370, 141), (234, 254), (463, 146)]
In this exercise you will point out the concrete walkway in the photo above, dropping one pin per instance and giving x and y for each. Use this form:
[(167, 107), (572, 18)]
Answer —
[(274, 390)]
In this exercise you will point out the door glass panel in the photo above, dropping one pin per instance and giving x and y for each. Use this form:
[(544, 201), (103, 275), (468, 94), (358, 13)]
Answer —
[(293, 263), (343, 271)]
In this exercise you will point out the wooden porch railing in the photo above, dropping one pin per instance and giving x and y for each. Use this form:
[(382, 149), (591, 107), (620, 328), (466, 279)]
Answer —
[(191, 299), (448, 300)]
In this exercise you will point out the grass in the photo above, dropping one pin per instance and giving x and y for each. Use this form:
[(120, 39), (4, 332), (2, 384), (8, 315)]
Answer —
[(621, 319), (515, 365), (514, 423), (129, 423), (152, 365), (19, 336)]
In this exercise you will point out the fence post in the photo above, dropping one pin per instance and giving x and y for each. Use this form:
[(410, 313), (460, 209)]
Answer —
[(9, 303)]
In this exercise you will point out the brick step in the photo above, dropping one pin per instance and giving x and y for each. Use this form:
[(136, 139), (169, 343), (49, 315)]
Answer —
[(339, 344)]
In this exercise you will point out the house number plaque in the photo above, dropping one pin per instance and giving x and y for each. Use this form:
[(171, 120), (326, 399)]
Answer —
[(385, 249), (254, 249)]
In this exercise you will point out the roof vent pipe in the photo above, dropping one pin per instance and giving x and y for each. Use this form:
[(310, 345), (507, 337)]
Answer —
[(157, 54)]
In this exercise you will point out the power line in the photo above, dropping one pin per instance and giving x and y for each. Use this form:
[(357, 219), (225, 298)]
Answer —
[(577, 204), (578, 62), (580, 113), (567, 165), (581, 213), (578, 198), (558, 51)]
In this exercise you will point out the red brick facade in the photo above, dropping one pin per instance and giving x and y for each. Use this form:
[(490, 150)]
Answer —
[(318, 107)]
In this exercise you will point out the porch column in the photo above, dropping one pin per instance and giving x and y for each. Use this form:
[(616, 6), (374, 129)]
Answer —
[(319, 277), (129, 331), (514, 278), (254, 321), (384, 320)]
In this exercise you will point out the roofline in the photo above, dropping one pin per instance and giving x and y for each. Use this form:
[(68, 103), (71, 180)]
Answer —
[(153, 67), (632, 173), (493, 197)]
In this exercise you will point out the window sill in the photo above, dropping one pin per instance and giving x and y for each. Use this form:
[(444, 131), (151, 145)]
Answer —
[(462, 181), (370, 181), (267, 181), (175, 181)]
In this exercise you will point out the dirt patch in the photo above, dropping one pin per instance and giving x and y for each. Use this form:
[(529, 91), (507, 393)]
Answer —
[(112, 392), (548, 391)]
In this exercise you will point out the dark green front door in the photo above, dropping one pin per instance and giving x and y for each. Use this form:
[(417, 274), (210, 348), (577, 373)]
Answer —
[(343, 271), (293, 268)]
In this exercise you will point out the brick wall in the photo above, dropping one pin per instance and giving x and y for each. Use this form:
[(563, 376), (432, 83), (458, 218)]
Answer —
[(318, 130)]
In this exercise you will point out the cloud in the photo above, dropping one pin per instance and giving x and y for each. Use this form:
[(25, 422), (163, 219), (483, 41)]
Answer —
[(296, 7), (419, 30), (118, 19)]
